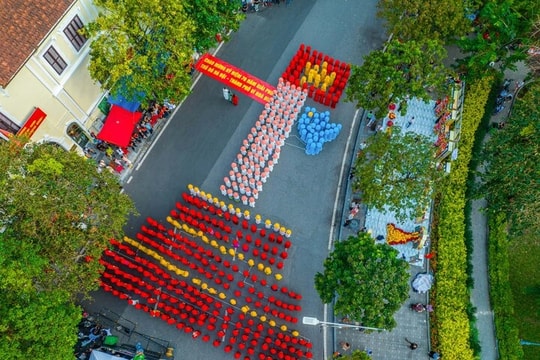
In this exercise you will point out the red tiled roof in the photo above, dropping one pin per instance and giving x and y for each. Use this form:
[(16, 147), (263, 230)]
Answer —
[(25, 23)]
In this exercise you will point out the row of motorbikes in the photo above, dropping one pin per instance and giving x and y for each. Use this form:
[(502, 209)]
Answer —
[(91, 335), (504, 95)]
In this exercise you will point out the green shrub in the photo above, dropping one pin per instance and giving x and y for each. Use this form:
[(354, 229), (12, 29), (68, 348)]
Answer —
[(501, 293), (452, 300)]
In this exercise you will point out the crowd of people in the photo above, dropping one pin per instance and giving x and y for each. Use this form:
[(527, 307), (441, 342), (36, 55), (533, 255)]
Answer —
[(151, 116), (91, 335), (255, 5), (116, 159)]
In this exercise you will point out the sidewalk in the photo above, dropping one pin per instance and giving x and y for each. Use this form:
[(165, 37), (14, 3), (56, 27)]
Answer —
[(412, 325), (136, 156), (415, 326), (478, 222)]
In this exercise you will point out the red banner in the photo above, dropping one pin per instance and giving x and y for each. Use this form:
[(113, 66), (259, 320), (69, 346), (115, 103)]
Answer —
[(235, 78), (33, 122)]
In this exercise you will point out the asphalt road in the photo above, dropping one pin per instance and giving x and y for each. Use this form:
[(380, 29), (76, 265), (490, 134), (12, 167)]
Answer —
[(205, 133)]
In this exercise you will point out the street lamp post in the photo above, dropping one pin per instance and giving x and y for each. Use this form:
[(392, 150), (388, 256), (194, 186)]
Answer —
[(306, 320)]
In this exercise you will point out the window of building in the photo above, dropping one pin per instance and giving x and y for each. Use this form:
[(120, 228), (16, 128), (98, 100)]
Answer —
[(73, 34), (55, 60), (77, 134), (8, 125)]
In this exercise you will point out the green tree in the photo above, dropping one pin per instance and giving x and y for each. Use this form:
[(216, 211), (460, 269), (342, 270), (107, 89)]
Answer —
[(396, 172), (510, 182), (402, 70), (422, 20), (34, 324), (367, 280), (533, 56), (57, 214), (55, 206), (501, 36), (142, 49), (211, 17)]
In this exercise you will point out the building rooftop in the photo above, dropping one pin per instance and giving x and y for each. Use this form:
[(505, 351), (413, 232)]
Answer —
[(25, 25)]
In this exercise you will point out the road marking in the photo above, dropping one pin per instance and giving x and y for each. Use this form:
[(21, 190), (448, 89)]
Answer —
[(490, 313), (172, 115), (129, 179), (334, 215), (340, 183), (325, 347)]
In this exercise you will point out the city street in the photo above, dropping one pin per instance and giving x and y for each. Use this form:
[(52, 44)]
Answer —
[(303, 192)]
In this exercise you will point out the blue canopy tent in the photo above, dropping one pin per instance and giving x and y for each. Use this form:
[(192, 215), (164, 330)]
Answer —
[(125, 96), (126, 99), (119, 100)]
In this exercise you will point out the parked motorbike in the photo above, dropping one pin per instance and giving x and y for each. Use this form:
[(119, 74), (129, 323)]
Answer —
[(505, 94), (419, 307), (498, 108)]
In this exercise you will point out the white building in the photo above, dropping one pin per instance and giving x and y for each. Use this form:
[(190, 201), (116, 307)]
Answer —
[(45, 88)]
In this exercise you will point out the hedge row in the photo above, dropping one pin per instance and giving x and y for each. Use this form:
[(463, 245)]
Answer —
[(502, 301), (470, 194), (452, 294)]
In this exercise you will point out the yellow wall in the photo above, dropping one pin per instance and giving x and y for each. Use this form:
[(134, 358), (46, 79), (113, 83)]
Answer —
[(80, 86), (71, 96)]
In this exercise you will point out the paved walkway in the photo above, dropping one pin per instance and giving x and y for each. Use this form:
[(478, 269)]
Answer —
[(480, 292), (415, 326), (387, 345)]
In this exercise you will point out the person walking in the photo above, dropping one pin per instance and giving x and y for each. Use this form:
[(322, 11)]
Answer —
[(371, 124), (234, 99), (370, 117), (410, 122), (412, 345), (353, 211), (227, 95)]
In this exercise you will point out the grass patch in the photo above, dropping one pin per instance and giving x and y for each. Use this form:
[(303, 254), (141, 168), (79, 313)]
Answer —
[(523, 256)]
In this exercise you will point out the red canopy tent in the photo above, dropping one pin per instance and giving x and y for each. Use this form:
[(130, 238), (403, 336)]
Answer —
[(119, 126)]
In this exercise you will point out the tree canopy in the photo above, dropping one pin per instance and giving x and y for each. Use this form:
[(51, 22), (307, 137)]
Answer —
[(501, 37), (368, 281), (533, 55), (35, 324), (396, 171), (511, 180), (57, 214), (421, 20), (400, 71), (211, 17), (144, 49)]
